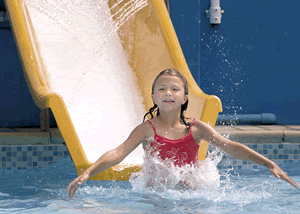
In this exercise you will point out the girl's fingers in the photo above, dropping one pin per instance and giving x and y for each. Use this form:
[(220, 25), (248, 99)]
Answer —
[(289, 180), (274, 173), (71, 185), (74, 185), (73, 188), (284, 177), (72, 192)]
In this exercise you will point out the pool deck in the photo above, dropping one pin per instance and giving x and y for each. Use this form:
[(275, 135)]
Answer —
[(29, 136), (262, 133), (242, 133)]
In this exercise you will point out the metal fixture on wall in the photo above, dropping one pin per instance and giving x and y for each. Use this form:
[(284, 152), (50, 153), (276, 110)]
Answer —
[(215, 12)]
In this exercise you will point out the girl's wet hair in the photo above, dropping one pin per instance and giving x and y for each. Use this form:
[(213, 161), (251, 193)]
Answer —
[(171, 72)]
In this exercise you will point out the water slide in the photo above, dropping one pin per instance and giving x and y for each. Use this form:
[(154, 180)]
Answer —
[(92, 62)]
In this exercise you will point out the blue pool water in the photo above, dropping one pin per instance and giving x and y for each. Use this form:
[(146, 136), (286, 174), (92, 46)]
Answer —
[(240, 191)]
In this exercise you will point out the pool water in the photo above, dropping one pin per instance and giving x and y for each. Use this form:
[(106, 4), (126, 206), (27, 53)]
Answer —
[(240, 191)]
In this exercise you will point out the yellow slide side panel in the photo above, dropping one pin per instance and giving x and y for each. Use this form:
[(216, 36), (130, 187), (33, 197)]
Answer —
[(66, 127), (24, 37), (209, 115)]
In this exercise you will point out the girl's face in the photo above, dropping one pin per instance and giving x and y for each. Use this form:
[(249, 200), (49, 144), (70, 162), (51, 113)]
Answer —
[(169, 93)]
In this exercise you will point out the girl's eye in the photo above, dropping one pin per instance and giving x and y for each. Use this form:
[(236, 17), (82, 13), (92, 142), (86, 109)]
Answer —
[(160, 89)]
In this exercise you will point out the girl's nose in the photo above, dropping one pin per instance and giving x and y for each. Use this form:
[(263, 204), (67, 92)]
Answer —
[(168, 93)]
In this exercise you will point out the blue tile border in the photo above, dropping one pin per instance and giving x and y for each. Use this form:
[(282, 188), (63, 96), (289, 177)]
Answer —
[(36, 156), (31, 156), (280, 153)]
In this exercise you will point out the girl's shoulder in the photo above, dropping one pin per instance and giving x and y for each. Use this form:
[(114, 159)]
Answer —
[(201, 129), (141, 132), (200, 126), (197, 121), (194, 122), (147, 128)]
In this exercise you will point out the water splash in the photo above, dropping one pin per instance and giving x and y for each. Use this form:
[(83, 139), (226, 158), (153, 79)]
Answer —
[(161, 175), (93, 17), (202, 181), (126, 11), (226, 68), (73, 21)]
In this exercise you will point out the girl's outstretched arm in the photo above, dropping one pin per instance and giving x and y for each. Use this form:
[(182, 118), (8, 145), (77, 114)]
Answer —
[(110, 158), (240, 151)]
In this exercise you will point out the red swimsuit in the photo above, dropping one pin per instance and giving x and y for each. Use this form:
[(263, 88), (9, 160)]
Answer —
[(181, 151)]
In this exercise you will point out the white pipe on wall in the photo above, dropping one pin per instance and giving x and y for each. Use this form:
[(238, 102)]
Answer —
[(261, 119), (215, 3)]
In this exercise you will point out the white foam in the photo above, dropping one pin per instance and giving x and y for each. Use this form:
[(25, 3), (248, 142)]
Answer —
[(86, 64), (164, 176)]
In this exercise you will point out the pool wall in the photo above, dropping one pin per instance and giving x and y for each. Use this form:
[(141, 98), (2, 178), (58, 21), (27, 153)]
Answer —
[(250, 60), (27, 148), (31, 156), (30, 148)]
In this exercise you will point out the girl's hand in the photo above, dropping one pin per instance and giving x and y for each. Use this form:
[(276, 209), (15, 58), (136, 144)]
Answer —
[(278, 173), (74, 185)]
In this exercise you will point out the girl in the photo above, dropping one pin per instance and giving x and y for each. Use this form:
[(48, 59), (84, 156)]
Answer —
[(176, 138)]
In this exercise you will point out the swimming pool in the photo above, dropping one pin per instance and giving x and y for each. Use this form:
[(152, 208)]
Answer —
[(42, 190)]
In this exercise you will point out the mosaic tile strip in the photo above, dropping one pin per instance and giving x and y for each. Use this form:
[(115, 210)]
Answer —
[(31, 156), (36, 156), (280, 153)]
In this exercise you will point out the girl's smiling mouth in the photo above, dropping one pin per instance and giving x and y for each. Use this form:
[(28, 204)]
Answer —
[(169, 101)]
